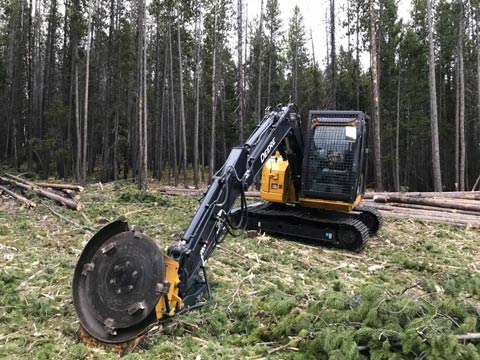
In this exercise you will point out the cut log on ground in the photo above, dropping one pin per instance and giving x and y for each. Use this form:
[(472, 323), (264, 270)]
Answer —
[(439, 216), (466, 195), (20, 198), (60, 186), (470, 205), (27, 185), (198, 192), (432, 208)]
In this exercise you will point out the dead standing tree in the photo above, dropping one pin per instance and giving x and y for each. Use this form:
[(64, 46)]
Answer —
[(142, 182), (214, 97), (437, 179), (85, 111), (182, 106), (240, 71), (376, 100)]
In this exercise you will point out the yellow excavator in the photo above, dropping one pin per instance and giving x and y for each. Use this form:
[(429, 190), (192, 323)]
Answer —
[(123, 284)]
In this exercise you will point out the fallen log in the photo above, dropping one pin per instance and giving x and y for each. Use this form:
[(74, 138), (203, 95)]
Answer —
[(22, 199), (469, 337), (433, 208), (27, 185), (198, 192), (454, 222), (61, 186), (469, 205), (466, 195), (434, 216)]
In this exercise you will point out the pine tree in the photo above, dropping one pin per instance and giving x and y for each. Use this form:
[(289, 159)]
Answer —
[(296, 53)]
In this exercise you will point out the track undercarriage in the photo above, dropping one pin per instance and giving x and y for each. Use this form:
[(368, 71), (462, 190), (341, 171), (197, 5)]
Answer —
[(348, 230)]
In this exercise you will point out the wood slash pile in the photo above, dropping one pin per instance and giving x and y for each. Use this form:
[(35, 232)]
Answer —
[(18, 188), (453, 208)]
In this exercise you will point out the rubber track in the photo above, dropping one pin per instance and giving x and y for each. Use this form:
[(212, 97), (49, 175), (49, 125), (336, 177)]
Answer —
[(374, 211), (323, 219)]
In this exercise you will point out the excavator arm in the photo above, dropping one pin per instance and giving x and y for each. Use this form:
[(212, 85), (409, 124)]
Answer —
[(211, 222), (123, 284)]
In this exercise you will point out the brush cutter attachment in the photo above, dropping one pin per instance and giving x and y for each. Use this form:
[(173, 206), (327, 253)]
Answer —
[(118, 282)]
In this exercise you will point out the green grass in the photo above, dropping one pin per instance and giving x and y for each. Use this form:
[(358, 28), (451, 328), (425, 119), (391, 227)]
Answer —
[(406, 296)]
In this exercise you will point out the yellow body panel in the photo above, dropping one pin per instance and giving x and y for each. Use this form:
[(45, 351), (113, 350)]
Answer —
[(276, 183), (330, 204), (174, 301), (277, 187)]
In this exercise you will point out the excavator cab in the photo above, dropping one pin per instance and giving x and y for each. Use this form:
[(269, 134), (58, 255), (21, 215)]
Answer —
[(335, 157), (334, 163)]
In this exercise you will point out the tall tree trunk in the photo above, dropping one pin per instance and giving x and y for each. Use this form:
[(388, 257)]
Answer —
[(333, 64), (397, 138), (145, 103), (37, 72), (240, 72), (85, 111), (462, 103), (110, 107), (78, 124), (269, 76), (260, 56), (115, 142), (173, 138), (75, 98), (197, 96), (314, 61), (202, 132), (222, 121), (457, 126), (357, 57), (182, 106), (142, 161), (139, 95), (31, 51), (477, 135), (159, 79), (437, 176), (295, 74), (165, 100), (214, 101), (375, 101)]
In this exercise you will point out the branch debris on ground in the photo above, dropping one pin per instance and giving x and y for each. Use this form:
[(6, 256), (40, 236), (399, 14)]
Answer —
[(414, 292)]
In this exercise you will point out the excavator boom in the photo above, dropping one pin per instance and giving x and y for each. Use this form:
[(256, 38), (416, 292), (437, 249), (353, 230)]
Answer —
[(122, 284)]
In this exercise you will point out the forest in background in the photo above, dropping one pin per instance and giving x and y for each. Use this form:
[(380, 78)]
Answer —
[(112, 89)]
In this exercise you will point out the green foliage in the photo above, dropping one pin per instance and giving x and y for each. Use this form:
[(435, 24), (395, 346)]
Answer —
[(138, 196)]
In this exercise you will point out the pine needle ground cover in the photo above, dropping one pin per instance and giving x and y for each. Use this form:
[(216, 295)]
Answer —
[(408, 295)]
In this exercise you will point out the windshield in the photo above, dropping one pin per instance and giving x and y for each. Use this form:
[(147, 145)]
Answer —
[(330, 161), (331, 145)]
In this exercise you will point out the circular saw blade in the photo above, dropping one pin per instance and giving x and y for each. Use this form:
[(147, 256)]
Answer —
[(115, 282)]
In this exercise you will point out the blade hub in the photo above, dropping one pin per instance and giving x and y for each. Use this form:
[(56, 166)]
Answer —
[(124, 277)]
